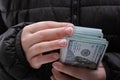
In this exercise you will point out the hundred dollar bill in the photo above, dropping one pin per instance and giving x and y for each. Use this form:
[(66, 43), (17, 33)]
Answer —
[(85, 48)]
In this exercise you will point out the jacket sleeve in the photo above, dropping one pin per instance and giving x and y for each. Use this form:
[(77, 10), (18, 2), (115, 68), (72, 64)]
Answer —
[(12, 56), (111, 62), (2, 25)]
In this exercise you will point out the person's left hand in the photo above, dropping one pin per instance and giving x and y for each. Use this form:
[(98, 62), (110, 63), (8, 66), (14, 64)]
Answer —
[(65, 72)]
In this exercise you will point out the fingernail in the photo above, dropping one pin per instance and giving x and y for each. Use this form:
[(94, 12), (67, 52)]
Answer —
[(69, 31), (62, 42), (56, 65)]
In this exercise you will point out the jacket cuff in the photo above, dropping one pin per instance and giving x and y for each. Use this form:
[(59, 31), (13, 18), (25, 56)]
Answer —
[(19, 49)]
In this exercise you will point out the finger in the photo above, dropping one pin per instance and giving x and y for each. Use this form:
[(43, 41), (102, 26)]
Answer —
[(45, 46), (59, 76), (51, 34), (39, 60), (45, 25), (100, 65), (81, 73), (52, 78), (76, 72)]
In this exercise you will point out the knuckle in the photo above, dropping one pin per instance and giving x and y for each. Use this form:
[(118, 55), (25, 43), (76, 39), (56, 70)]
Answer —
[(42, 37), (54, 44), (36, 48), (34, 64), (43, 23), (48, 23), (24, 39), (60, 33), (26, 28)]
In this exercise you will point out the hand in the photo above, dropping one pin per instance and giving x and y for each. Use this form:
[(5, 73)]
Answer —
[(65, 72), (44, 36)]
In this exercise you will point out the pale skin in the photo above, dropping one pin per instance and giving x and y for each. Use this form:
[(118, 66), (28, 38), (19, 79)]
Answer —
[(46, 36)]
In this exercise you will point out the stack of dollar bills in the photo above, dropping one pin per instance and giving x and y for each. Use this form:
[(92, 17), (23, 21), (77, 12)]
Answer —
[(85, 48)]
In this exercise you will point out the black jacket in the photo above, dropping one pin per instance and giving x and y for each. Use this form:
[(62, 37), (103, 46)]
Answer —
[(15, 14)]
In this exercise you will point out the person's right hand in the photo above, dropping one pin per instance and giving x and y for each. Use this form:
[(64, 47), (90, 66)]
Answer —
[(44, 36)]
